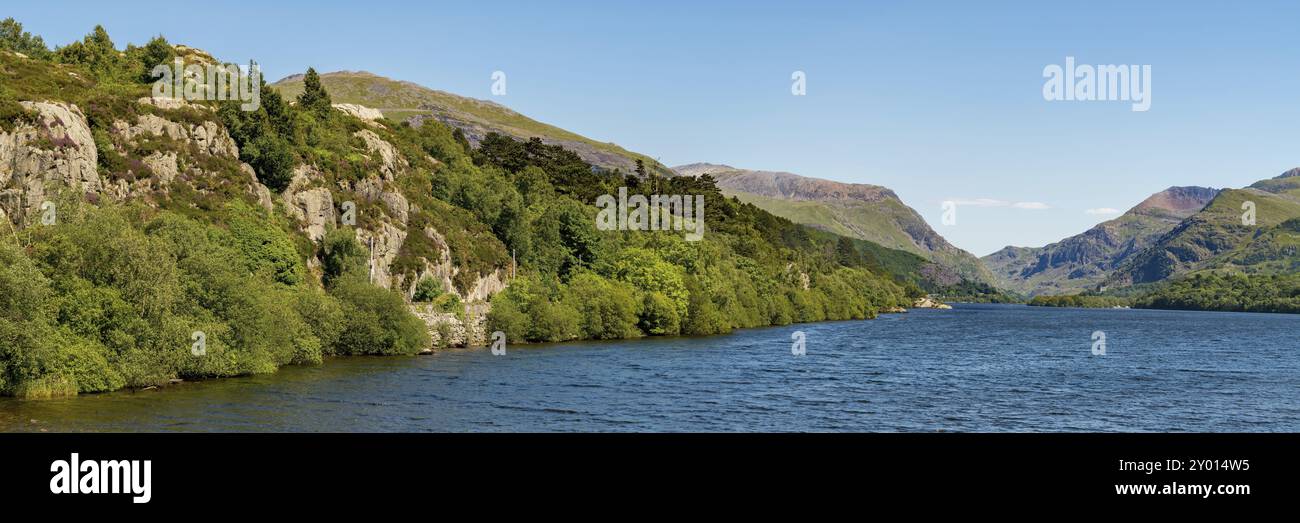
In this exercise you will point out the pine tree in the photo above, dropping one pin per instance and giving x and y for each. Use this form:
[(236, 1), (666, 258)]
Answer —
[(313, 97)]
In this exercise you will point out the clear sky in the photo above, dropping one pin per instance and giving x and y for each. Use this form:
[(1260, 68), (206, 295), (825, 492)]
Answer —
[(936, 100)]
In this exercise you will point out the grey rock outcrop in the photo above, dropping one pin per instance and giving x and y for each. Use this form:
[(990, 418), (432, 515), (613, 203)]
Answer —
[(58, 150)]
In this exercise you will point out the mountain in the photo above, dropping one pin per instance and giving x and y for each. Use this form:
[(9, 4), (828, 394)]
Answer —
[(1215, 237), (1082, 261), (868, 212), (153, 239), (401, 100)]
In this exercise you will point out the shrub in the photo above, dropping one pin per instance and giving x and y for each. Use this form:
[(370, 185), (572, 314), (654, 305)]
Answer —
[(376, 321), (659, 315), (343, 256), (607, 310), (427, 290)]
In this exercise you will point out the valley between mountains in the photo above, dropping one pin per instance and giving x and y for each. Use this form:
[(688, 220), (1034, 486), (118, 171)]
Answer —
[(153, 239)]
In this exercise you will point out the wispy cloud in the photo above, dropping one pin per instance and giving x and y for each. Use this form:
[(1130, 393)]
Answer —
[(1102, 210), (990, 202)]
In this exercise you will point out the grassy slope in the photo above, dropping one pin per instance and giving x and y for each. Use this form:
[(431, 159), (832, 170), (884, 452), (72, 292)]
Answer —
[(401, 100), (1130, 231), (879, 222), (1215, 239)]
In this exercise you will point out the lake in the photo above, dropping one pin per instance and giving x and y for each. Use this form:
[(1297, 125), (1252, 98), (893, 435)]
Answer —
[(986, 368)]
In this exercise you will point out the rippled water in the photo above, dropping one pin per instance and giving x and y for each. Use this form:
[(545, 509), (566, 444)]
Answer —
[(974, 368)]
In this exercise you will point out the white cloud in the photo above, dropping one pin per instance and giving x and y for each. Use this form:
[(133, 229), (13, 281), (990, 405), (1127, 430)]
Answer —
[(989, 202), (980, 202), (1102, 210)]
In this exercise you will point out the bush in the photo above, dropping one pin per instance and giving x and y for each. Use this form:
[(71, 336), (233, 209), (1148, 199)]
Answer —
[(343, 256), (659, 315), (427, 290), (376, 321), (607, 309)]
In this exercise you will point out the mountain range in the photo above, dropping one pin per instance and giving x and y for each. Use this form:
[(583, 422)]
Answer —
[(1173, 233), (1082, 261), (1219, 238), (868, 212)]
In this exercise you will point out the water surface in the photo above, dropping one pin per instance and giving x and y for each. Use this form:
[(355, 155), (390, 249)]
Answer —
[(973, 368)]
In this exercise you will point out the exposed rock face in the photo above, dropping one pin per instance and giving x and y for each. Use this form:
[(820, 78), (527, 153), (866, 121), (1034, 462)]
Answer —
[(256, 189), (385, 244), (315, 207), (1177, 202), (361, 112), (1084, 260), (1215, 237), (925, 302), (393, 163), (164, 167), (471, 331), (59, 150), (171, 103), (373, 190), (209, 136), (786, 186)]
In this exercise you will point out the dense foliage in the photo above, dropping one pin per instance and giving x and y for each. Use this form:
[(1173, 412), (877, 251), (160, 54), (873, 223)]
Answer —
[(195, 282), (1084, 300), (112, 295), (751, 269), (1227, 292)]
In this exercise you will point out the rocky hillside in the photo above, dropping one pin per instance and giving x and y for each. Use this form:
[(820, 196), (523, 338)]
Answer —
[(1215, 238), (71, 136), (868, 212), (1082, 261), (406, 101), (150, 239)]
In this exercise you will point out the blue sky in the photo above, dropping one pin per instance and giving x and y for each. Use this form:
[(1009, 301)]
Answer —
[(936, 100)]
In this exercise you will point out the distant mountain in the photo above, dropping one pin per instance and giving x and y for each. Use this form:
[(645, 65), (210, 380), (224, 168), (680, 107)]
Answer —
[(868, 212), (1082, 261), (402, 100), (1215, 238)]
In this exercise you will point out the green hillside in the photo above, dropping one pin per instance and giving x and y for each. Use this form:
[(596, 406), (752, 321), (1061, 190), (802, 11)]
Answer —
[(862, 211), (1083, 261), (401, 101), (198, 240), (1215, 237)]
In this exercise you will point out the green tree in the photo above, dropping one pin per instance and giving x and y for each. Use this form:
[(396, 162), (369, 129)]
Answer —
[(98, 54), (343, 255), (13, 38), (314, 98), (157, 52), (376, 320)]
